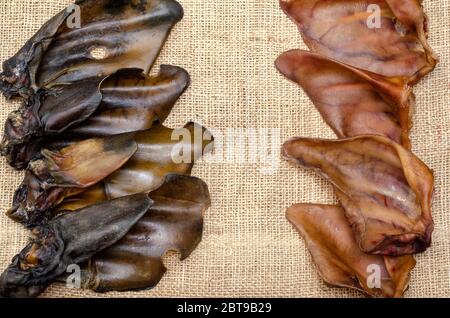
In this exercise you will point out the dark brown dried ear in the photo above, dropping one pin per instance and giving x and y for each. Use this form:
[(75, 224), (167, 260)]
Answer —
[(340, 30), (49, 113), (91, 196), (174, 222), (133, 101), (19, 156), (161, 151), (352, 102), (385, 190), (63, 173), (126, 33), (127, 101), (70, 239), (19, 72), (339, 261)]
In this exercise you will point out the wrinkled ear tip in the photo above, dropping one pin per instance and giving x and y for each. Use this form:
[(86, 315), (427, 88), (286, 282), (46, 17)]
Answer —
[(17, 291)]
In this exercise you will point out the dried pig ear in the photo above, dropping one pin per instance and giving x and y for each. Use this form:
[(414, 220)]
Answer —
[(341, 30), (352, 102), (161, 151), (411, 16), (126, 101), (133, 101), (174, 222), (339, 260), (70, 239), (69, 171), (385, 190), (112, 35)]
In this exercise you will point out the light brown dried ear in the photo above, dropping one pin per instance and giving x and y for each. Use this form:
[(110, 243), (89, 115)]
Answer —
[(339, 260), (85, 163), (174, 222), (385, 190), (352, 102), (342, 30)]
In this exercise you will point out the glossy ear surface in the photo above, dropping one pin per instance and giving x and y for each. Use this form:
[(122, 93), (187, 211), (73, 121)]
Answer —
[(133, 101), (87, 162), (113, 35), (366, 35), (95, 38), (352, 102), (174, 223), (69, 239), (338, 259), (385, 190), (161, 151)]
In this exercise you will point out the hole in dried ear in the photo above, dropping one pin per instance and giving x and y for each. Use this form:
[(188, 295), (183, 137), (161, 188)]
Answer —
[(99, 53)]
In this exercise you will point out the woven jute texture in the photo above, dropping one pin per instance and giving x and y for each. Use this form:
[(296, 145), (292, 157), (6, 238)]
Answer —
[(249, 249)]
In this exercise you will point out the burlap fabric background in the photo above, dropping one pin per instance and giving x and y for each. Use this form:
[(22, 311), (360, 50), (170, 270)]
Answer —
[(249, 249)]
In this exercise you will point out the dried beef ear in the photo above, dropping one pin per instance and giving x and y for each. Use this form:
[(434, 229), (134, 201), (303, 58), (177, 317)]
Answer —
[(67, 172), (22, 154), (161, 151), (91, 196), (174, 222), (133, 101), (70, 239), (385, 190), (339, 30), (127, 33), (352, 102), (338, 259), (126, 101), (50, 112), (19, 72), (149, 166)]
